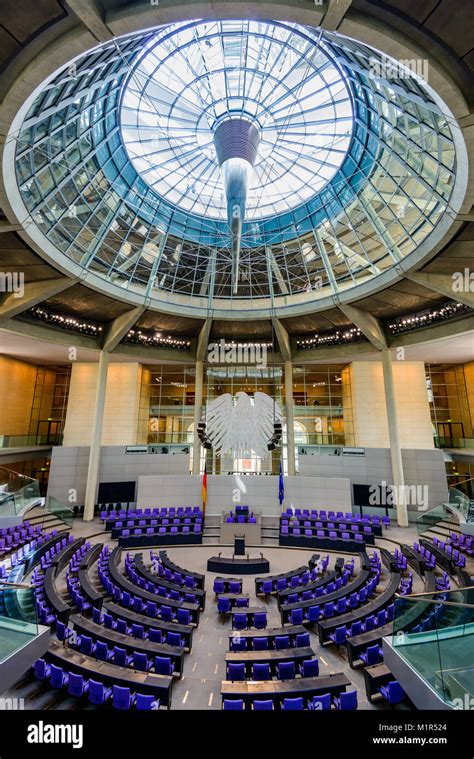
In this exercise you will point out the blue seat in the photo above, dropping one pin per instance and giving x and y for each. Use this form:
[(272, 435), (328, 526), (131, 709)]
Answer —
[(166, 613), (321, 703), (58, 677), (62, 632), (371, 655), (102, 652), (309, 668), (314, 613), (174, 639), (286, 670), (122, 698), (339, 635), (236, 671), (163, 665), (223, 605), (121, 627), (392, 692), (356, 628), (346, 701), (141, 662), (263, 706), (281, 642), (260, 620), (98, 693), (293, 704), (77, 686), (183, 617), (238, 644), (240, 621), (120, 657), (97, 616), (146, 703), (261, 672), (41, 669), (242, 602), (219, 586), (302, 640), (296, 617), (234, 705), (155, 636), (260, 644), (138, 631), (108, 621)]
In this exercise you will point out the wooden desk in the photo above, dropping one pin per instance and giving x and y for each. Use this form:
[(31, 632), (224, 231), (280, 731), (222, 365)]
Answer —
[(277, 690), (121, 612), (270, 632), (113, 638), (359, 643), (110, 674), (272, 657), (374, 677)]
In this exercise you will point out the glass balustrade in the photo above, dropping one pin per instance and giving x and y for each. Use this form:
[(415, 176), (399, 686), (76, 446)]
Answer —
[(59, 510), (18, 619), (434, 633), (17, 492)]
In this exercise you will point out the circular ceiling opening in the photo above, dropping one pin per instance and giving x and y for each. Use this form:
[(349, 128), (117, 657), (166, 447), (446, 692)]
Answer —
[(193, 77), (223, 166)]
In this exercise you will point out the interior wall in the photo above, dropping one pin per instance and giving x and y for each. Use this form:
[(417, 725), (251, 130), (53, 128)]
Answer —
[(369, 407), (17, 387), (122, 402)]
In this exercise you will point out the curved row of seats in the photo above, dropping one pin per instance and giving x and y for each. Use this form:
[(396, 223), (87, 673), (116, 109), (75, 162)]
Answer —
[(294, 578), (97, 693), (163, 566), (355, 594), (130, 595), (177, 586)]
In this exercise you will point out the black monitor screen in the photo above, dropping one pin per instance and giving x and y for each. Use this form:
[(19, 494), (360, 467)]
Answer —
[(376, 496), (117, 492)]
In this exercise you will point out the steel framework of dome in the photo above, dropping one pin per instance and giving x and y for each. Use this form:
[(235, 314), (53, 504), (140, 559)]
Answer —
[(233, 165)]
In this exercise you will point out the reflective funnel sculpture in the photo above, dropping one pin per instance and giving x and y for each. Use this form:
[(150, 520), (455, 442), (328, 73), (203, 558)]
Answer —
[(236, 141)]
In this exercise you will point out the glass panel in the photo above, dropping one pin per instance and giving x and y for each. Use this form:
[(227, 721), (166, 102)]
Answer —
[(434, 633), (59, 510), (17, 492), (18, 621)]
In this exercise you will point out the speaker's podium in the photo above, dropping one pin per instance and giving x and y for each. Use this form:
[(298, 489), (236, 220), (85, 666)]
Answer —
[(242, 523), (239, 545)]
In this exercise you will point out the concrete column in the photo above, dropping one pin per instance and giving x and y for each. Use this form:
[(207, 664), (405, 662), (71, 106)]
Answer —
[(197, 416), (290, 417), (94, 453), (395, 450)]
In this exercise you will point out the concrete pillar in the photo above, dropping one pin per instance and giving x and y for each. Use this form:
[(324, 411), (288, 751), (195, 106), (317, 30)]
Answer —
[(94, 453), (197, 416), (395, 450), (290, 417)]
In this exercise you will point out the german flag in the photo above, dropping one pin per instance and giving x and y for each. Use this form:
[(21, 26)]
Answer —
[(204, 490)]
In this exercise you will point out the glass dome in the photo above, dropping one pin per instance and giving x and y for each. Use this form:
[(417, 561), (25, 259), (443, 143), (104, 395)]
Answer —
[(122, 162)]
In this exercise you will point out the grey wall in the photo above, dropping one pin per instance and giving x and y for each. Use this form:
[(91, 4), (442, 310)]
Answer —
[(173, 486), (258, 492), (421, 467), (68, 469)]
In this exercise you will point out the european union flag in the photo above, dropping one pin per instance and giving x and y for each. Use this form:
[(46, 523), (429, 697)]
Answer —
[(281, 487)]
